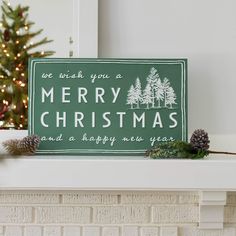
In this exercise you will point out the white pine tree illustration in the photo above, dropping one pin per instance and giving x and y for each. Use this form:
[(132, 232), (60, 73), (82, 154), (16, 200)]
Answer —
[(159, 92), (131, 97), (170, 97), (152, 79), (165, 86), (147, 95), (138, 92)]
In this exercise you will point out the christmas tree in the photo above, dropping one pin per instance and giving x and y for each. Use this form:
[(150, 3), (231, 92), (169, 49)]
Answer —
[(16, 47)]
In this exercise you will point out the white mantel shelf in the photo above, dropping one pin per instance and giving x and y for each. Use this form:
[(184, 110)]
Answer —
[(86, 173), (212, 177), (216, 173)]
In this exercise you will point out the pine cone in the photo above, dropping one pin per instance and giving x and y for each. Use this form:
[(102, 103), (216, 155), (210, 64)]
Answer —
[(200, 140), (25, 146)]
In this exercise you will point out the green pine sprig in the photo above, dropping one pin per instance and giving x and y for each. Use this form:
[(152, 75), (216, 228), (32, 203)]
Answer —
[(175, 150), (196, 149)]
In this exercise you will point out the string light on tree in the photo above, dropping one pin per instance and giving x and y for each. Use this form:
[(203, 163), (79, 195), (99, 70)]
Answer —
[(14, 55)]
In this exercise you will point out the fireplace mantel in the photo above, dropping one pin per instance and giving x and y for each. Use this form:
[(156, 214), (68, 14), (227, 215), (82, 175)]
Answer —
[(212, 177), (122, 173)]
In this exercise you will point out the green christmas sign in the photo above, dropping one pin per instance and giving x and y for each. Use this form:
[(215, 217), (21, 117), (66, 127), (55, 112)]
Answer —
[(113, 107)]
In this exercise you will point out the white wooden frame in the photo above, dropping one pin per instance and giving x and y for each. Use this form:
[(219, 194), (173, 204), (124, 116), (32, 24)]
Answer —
[(85, 31)]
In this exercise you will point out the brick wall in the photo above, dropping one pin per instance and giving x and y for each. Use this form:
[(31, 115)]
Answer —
[(37, 213)]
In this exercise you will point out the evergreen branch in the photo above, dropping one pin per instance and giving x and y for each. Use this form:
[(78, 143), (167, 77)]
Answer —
[(4, 22), (29, 24), (5, 4), (23, 9), (43, 41), (40, 55), (198, 148), (31, 35), (6, 9), (175, 150), (49, 53)]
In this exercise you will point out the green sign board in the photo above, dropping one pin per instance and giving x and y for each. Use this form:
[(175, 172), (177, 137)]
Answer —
[(101, 106)]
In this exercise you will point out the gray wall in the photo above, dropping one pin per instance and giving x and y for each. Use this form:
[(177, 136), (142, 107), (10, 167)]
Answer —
[(203, 31)]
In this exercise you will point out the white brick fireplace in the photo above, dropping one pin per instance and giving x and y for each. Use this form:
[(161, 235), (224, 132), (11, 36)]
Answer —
[(107, 213)]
